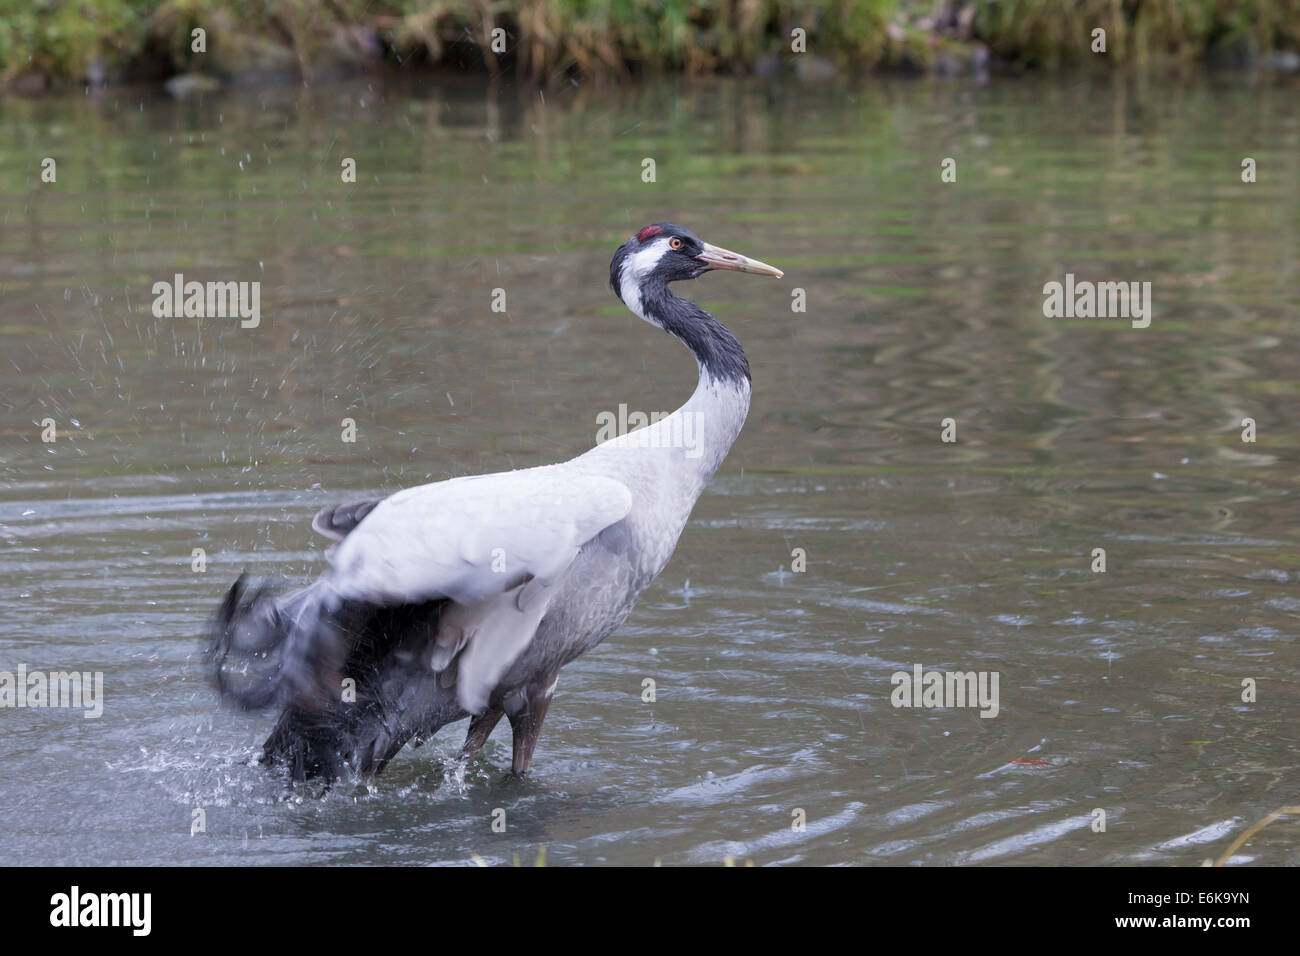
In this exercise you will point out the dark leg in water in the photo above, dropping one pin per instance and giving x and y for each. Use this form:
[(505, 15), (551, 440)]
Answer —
[(526, 722), (480, 729)]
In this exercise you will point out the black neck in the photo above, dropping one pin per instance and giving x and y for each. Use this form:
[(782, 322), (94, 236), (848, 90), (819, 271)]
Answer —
[(717, 350)]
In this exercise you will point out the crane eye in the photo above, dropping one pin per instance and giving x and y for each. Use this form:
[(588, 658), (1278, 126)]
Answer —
[(675, 243)]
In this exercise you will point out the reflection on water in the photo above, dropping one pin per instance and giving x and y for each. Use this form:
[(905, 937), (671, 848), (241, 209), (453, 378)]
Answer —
[(1120, 691)]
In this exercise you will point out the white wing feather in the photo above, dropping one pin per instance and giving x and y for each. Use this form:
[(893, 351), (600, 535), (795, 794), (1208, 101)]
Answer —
[(493, 544), (468, 538)]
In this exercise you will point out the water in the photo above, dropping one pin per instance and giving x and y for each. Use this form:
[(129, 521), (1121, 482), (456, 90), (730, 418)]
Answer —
[(1120, 691)]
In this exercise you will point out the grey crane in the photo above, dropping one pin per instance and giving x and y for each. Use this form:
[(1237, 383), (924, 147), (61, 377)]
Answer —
[(464, 598)]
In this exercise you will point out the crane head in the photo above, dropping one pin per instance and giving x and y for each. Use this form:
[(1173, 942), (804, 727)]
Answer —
[(665, 252)]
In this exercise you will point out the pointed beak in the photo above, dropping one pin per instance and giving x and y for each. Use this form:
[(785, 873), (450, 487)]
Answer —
[(715, 257)]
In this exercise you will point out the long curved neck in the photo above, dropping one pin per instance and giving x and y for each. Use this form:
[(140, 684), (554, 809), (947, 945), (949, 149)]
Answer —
[(716, 349), (691, 443), (712, 417)]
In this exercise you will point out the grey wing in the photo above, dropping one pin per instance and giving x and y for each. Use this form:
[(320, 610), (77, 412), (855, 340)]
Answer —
[(336, 521)]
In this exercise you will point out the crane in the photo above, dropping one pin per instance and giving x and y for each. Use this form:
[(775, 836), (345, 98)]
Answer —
[(465, 597)]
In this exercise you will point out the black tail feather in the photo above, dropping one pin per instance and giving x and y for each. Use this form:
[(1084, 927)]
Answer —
[(248, 626), (353, 680)]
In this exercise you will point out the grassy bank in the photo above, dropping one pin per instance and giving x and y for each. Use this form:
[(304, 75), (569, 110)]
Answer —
[(46, 43)]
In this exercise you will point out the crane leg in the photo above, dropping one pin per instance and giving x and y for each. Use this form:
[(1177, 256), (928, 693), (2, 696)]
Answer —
[(480, 729), (526, 722)]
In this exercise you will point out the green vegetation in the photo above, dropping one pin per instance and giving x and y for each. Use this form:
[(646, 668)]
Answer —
[(43, 42), (1235, 32)]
